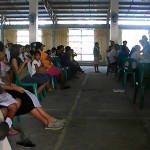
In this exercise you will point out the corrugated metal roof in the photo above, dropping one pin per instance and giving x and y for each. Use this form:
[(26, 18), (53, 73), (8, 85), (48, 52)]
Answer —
[(76, 10)]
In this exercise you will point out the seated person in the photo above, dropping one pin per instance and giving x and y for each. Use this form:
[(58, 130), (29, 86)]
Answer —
[(124, 52), (20, 67), (27, 102), (50, 68), (4, 143), (146, 47), (136, 54), (66, 61)]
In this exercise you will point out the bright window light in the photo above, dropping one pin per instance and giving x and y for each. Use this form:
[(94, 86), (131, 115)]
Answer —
[(82, 42), (133, 36), (23, 36), (91, 22)]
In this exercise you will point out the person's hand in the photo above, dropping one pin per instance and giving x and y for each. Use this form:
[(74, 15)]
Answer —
[(13, 86), (19, 89), (27, 60)]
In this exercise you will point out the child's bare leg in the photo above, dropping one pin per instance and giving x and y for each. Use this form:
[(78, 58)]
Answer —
[(48, 86), (38, 115), (12, 109), (4, 112), (45, 115), (41, 87), (62, 83)]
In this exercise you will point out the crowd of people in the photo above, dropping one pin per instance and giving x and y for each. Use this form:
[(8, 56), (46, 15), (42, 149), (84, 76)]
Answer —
[(32, 65), (116, 52)]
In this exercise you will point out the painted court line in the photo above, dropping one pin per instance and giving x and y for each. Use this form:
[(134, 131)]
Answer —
[(69, 118), (85, 80)]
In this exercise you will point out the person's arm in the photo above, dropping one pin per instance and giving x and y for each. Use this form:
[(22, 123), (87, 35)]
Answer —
[(141, 57), (16, 67), (40, 69), (12, 87)]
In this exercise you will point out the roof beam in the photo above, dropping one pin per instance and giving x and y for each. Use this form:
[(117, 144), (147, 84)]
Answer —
[(17, 4), (49, 10), (80, 3), (134, 3)]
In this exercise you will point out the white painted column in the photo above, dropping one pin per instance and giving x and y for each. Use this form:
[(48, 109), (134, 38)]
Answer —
[(33, 20), (54, 35), (2, 29), (149, 35), (54, 31), (114, 7)]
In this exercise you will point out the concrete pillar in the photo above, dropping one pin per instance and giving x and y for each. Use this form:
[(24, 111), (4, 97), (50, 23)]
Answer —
[(114, 6), (149, 35), (2, 29), (53, 35), (54, 32), (33, 20)]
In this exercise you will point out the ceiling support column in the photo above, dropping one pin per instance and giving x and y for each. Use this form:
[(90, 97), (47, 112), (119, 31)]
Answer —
[(33, 20), (114, 6), (2, 29), (54, 31)]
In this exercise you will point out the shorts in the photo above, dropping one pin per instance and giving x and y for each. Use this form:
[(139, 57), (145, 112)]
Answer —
[(54, 71), (38, 78)]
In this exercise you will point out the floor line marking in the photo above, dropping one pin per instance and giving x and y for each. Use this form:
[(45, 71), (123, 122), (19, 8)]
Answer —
[(69, 118), (85, 80)]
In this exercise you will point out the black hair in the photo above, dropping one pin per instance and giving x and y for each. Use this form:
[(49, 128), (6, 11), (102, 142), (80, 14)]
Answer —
[(59, 47), (54, 49), (1, 47), (67, 48), (117, 46), (14, 53), (36, 53), (124, 42)]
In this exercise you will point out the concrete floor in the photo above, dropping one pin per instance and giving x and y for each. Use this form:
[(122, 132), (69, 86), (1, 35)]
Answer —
[(98, 118)]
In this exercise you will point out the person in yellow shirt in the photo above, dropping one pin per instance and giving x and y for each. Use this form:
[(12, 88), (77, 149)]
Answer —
[(50, 68)]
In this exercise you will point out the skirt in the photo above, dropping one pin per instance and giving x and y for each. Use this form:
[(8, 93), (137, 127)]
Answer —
[(26, 102), (54, 71)]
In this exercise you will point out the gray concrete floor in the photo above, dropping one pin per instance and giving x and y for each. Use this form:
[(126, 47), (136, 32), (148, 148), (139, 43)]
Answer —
[(98, 118)]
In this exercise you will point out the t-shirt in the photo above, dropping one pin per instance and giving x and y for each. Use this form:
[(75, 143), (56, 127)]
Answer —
[(96, 51), (112, 56), (44, 60), (8, 54), (136, 55), (146, 50), (35, 62)]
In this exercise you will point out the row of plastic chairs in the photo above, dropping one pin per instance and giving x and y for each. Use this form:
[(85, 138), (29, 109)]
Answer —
[(140, 75), (34, 86)]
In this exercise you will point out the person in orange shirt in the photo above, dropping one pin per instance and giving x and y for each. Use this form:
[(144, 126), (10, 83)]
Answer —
[(50, 68)]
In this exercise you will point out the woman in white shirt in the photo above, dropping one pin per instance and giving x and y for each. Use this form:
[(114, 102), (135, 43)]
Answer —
[(136, 54)]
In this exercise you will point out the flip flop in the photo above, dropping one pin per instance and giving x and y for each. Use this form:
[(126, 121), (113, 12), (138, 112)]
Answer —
[(4, 129)]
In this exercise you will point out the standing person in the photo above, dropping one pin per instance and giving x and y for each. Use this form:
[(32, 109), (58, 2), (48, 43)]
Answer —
[(113, 57), (96, 53)]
